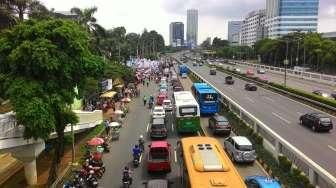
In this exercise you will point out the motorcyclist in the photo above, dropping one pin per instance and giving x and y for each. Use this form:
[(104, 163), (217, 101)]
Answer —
[(136, 152), (141, 143), (127, 175)]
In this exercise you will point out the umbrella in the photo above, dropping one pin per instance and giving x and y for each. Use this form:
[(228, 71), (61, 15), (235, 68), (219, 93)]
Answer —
[(95, 141), (118, 112), (114, 124), (126, 100)]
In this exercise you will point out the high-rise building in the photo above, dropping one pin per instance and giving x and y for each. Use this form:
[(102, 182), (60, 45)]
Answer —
[(253, 27), (192, 27), (176, 34), (287, 16), (234, 27)]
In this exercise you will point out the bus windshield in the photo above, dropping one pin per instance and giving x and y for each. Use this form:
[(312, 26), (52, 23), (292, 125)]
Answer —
[(192, 110), (209, 97)]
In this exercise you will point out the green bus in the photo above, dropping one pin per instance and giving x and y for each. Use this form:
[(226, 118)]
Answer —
[(187, 112)]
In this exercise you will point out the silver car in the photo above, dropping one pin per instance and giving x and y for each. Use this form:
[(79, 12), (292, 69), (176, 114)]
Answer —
[(240, 149)]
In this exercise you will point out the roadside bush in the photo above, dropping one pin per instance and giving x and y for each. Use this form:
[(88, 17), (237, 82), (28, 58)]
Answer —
[(284, 164)]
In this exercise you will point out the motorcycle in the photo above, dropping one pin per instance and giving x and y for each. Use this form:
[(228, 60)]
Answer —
[(136, 160), (126, 180), (91, 180)]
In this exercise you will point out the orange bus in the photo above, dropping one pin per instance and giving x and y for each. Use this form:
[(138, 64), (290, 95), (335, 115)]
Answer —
[(205, 164)]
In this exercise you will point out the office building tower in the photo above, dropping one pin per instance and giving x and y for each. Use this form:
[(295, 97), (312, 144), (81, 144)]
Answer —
[(253, 27), (176, 34), (287, 16), (192, 27), (234, 27)]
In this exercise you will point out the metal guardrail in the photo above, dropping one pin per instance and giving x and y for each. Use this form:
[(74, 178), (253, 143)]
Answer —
[(322, 78), (278, 145), (317, 103)]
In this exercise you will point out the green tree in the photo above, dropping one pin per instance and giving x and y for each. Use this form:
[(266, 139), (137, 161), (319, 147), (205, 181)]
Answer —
[(89, 22), (43, 62), (219, 43), (22, 7)]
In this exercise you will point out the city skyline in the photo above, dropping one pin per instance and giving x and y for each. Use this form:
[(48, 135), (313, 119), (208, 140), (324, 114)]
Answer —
[(158, 14)]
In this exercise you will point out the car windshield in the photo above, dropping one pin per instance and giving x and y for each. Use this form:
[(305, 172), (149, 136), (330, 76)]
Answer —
[(158, 126), (209, 97), (223, 123), (166, 103), (244, 147), (158, 110), (325, 120)]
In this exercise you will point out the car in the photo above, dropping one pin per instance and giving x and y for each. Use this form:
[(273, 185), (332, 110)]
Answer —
[(158, 128), (321, 93), (194, 64), (237, 70), (261, 71), (158, 183), (251, 87), (261, 182), (213, 71), (158, 112), (316, 121), (167, 105), (184, 75), (263, 78), (249, 72), (240, 149), (219, 124), (333, 95), (177, 88), (229, 80)]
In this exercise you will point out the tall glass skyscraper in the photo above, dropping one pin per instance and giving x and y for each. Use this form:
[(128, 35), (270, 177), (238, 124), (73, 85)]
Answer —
[(287, 16), (176, 33), (192, 27)]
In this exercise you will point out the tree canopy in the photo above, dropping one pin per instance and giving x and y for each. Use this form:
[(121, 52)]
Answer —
[(43, 62)]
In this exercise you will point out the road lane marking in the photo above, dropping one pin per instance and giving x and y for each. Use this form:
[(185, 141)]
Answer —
[(140, 158), (147, 127), (199, 134), (172, 126), (269, 99), (175, 156), (283, 119), (332, 148), (248, 98)]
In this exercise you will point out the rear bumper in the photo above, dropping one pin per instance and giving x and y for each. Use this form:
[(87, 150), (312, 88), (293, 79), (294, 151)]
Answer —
[(222, 131), (158, 167)]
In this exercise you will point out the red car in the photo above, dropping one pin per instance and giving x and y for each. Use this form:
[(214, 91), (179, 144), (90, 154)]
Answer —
[(160, 98), (249, 72), (158, 157)]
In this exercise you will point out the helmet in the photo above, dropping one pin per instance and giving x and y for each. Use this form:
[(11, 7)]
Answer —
[(136, 145), (141, 136), (91, 171), (126, 168)]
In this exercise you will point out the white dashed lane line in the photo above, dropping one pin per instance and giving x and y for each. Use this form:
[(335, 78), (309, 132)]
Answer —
[(280, 117)]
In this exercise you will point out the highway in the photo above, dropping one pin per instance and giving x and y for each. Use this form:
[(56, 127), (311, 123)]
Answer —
[(137, 123), (305, 85), (281, 114)]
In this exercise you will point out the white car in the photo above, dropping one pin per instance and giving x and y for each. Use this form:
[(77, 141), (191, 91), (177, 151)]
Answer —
[(261, 71), (184, 75), (167, 105), (159, 112), (236, 70)]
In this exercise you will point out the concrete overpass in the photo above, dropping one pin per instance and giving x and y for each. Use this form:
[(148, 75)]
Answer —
[(27, 150)]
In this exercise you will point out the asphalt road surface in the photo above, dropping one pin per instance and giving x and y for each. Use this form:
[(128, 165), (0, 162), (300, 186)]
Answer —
[(305, 85), (136, 123), (281, 114)]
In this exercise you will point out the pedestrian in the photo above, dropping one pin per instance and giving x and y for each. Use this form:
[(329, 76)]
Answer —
[(147, 83), (145, 100), (143, 82), (107, 127)]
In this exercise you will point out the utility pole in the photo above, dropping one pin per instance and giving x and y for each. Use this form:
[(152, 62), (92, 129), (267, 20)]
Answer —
[(297, 53)]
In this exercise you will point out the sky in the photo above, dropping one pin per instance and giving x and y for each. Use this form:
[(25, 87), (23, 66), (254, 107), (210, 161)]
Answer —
[(213, 16)]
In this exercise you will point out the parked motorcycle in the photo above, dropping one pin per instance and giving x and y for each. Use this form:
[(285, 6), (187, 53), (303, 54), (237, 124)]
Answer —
[(91, 180)]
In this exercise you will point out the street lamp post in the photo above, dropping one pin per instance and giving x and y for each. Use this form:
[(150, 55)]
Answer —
[(286, 63)]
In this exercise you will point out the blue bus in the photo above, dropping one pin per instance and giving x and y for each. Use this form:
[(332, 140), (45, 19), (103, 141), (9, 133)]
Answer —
[(207, 98), (183, 69)]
